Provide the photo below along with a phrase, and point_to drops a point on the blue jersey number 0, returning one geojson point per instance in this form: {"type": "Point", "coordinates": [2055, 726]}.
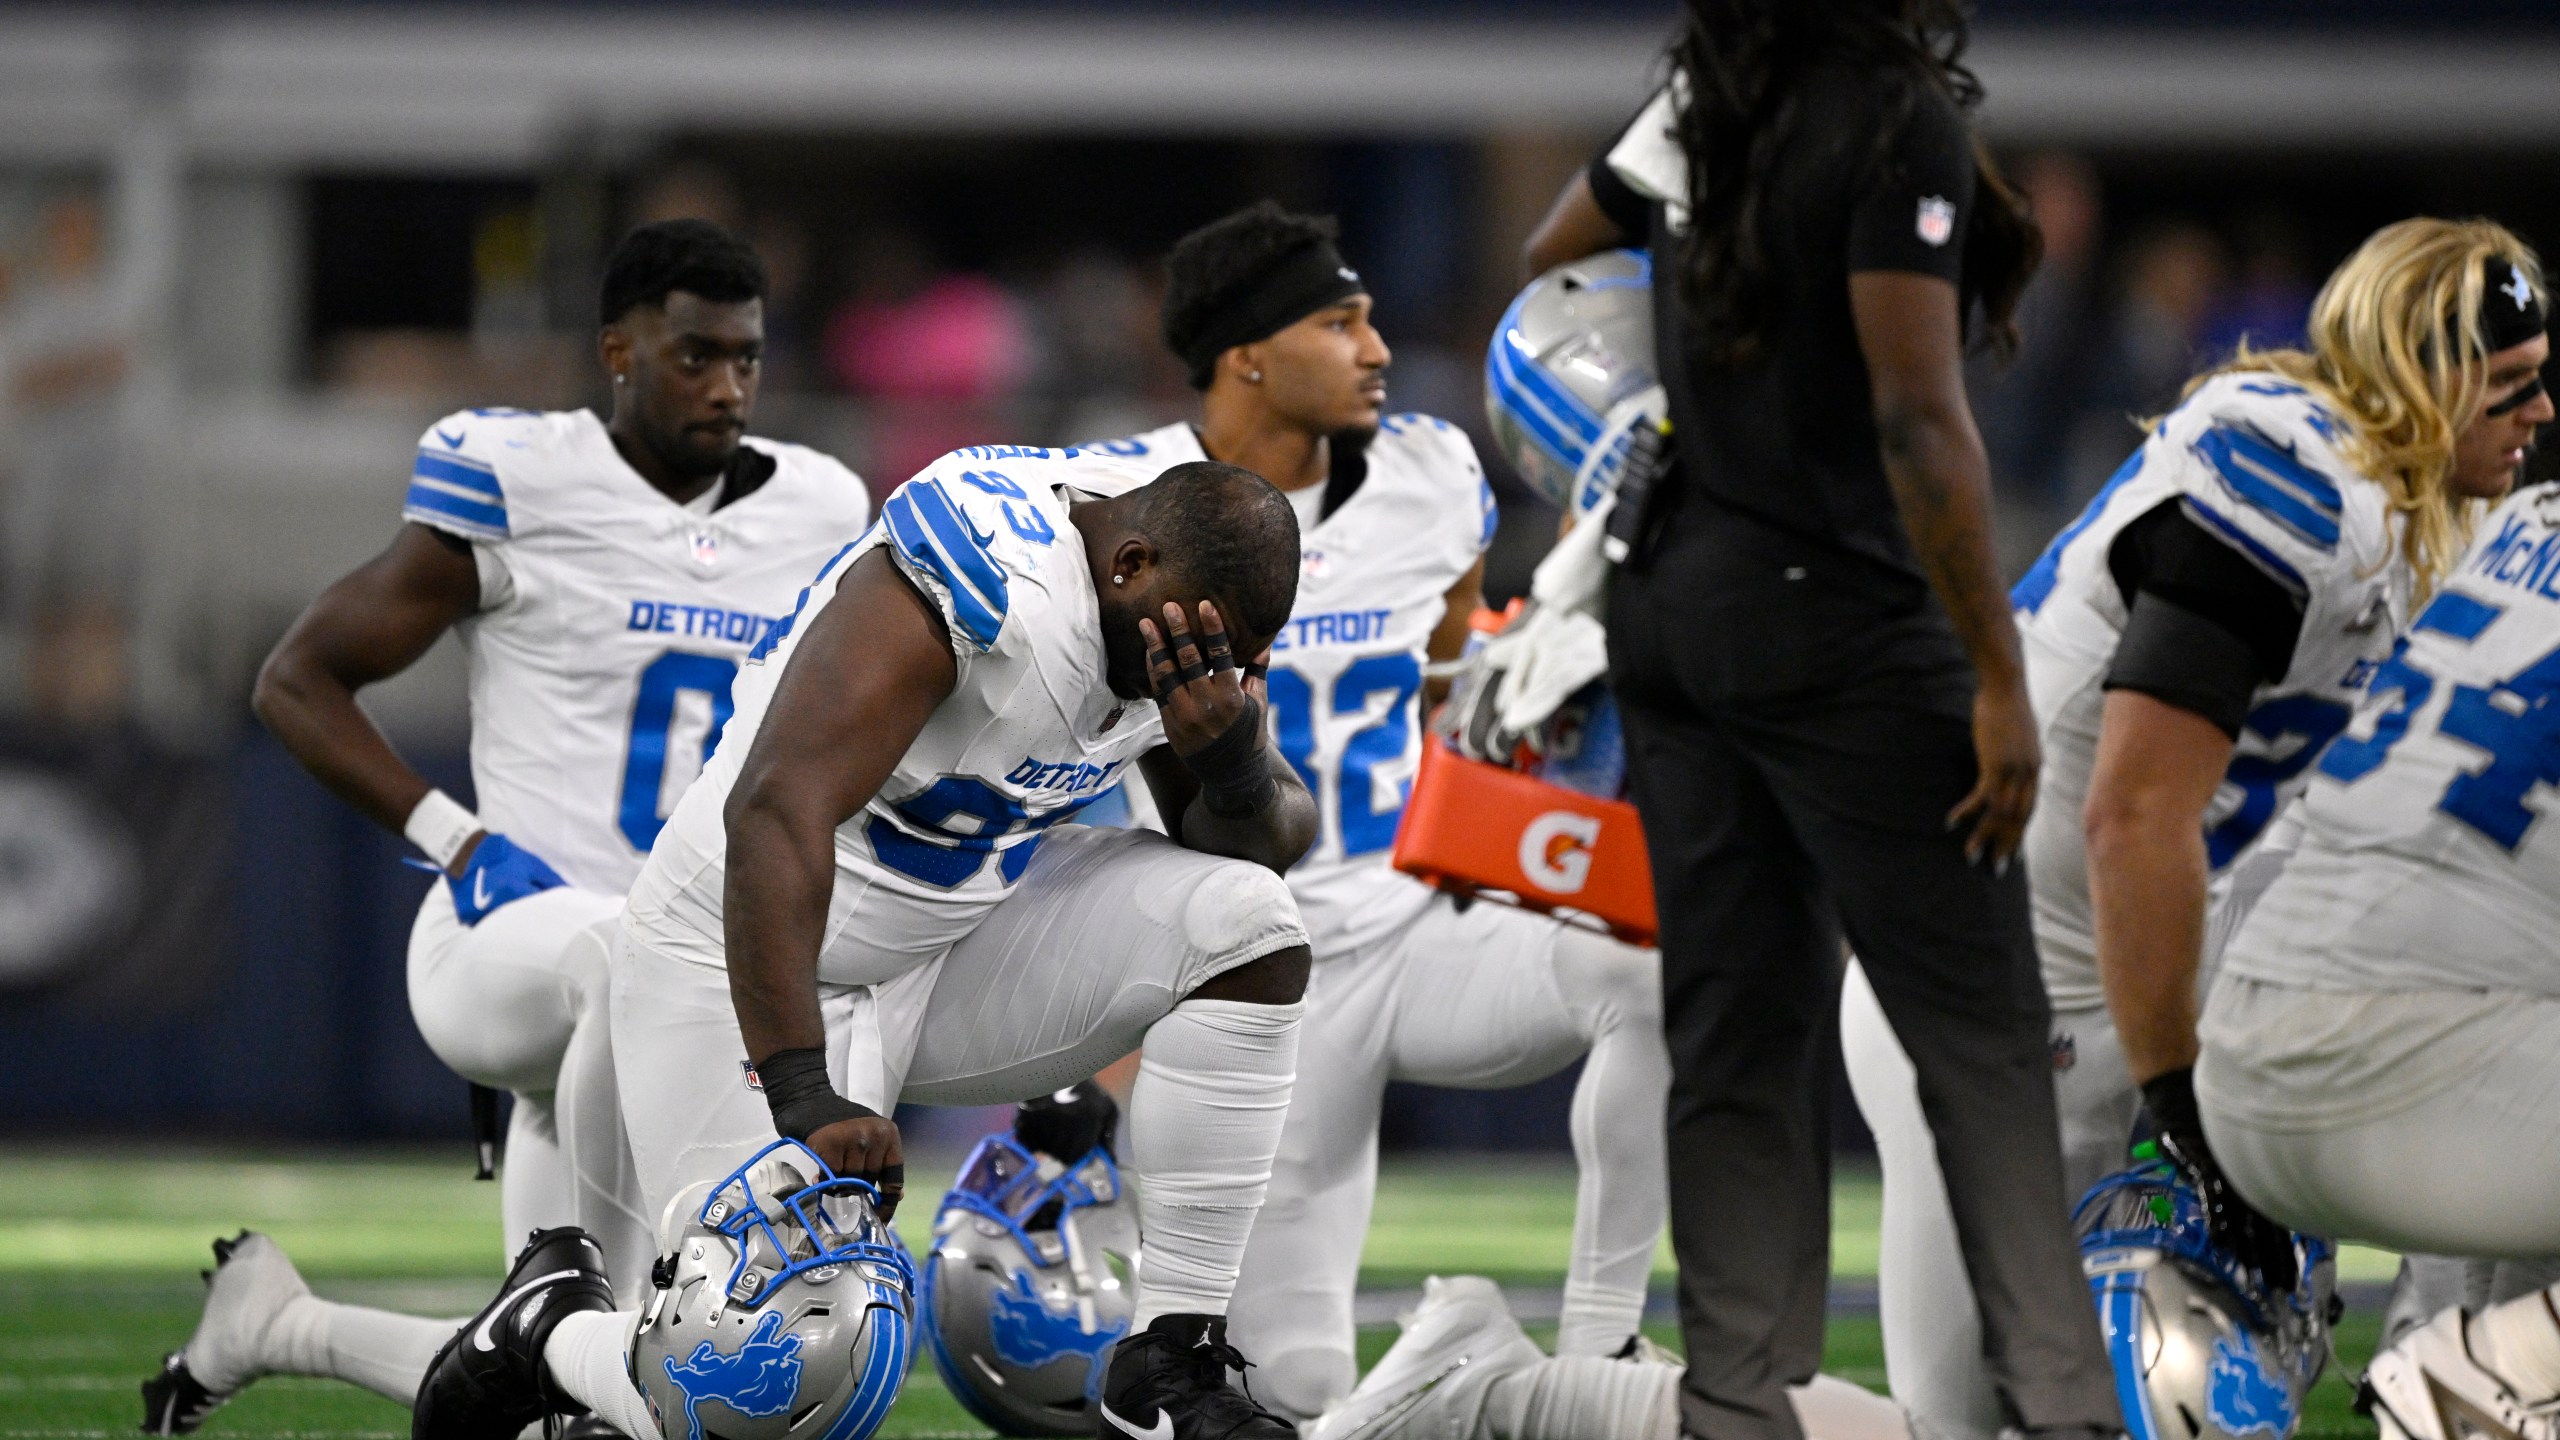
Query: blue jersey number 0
{"type": "Point", "coordinates": [653, 716]}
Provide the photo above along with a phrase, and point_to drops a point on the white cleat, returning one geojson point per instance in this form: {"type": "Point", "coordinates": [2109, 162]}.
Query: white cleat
{"type": "Point", "coordinates": [2427, 1387]}
{"type": "Point", "coordinates": [251, 1283]}
{"type": "Point", "coordinates": [1431, 1385]}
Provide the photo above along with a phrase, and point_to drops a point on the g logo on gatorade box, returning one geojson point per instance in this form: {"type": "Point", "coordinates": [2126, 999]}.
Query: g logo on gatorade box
{"type": "Point", "coordinates": [1555, 850]}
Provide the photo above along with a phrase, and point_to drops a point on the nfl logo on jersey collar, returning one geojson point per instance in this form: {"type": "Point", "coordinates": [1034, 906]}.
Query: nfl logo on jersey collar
{"type": "Point", "coordinates": [1313, 565]}
{"type": "Point", "coordinates": [706, 548]}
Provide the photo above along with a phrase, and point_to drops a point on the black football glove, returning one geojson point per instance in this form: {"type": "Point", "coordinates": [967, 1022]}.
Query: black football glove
{"type": "Point", "coordinates": [2237, 1228]}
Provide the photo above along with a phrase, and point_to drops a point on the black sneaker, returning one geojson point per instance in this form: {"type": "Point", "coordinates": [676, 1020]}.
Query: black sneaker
{"type": "Point", "coordinates": [1169, 1382]}
{"type": "Point", "coordinates": [487, 1383]}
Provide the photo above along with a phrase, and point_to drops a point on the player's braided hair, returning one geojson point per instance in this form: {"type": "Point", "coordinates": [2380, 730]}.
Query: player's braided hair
{"type": "Point", "coordinates": [1231, 535]}
{"type": "Point", "coordinates": [1740, 62]}
{"type": "Point", "coordinates": [694, 256]}
{"type": "Point", "coordinates": [1207, 268]}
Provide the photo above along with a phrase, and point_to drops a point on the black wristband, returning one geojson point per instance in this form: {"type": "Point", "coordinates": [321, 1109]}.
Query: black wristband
{"type": "Point", "coordinates": [1235, 779]}
{"type": "Point", "coordinates": [801, 1097]}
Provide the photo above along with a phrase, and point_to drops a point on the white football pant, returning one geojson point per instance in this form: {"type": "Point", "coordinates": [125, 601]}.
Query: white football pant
{"type": "Point", "coordinates": [2422, 1120]}
{"type": "Point", "coordinates": [1088, 957]}
{"type": "Point", "coordinates": [499, 1003]}
{"type": "Point", "coordinates": [1932, 1330]}
{"type": "Point", "coordinates": [1480, 998]}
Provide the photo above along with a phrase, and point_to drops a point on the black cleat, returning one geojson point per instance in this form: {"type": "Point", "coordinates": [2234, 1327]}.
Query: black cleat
{"type": "Point", "coordinates": [487, 1383]}
{"type": "Point", "coordinates": [173, 1401]}
{"type": "Point", "coordinates": [1169, 1382]}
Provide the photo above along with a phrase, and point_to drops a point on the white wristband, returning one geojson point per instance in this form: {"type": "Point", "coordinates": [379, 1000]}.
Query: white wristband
{"type": "Point", "coordinates": [440, 827]}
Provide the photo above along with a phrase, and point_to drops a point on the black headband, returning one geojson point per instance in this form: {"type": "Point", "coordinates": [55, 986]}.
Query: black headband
{"type": "Point", "coordinates": [2510, 308]}
{"type": "Point", "coordinates": [1297, 285]}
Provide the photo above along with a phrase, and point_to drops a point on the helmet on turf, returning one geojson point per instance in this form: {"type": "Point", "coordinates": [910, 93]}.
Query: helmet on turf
{"type": "Point", "coordinates": [2201, 1349]}
{"type": "Point", "coordinates": [1031, 1280]}
{"type": "Point", "coordinates": [1570, 384]}
{"type": "Point", "coordinates": [783, 1307]}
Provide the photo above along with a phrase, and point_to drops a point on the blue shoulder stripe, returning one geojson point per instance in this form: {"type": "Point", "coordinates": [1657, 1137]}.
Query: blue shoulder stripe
{"type": "Point", "coordinates": [963, 546]}
{"type": "Point", "coordinates": [2267, 560]}
{"type": "Point", "coordinates": [460, 472]}
{"type": "Point", "coordinates": [934, 537]}
{"type": "Point", "coordinates": [435, 505]}
{"type": "Point", "coordinates": [2272, 479]}
{"type": "Point", "coordinates": [2457, 615]}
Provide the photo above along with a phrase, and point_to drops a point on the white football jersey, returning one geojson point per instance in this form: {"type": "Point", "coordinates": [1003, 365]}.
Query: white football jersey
{"type": "Point", "coordinates": [2253, 458]}
{"type": "Point", "coordinates": [1029, 736]}
{"type": "Point", "coordinates": [2423, 862]}
{"type": "Point", "coordinates": [1346, 672]}
{"type": "Point", "coordinates": [611, 620]}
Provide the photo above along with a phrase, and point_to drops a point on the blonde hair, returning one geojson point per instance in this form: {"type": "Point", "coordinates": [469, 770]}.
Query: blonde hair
{"type": "Point", "coordinates": [2396, 349]}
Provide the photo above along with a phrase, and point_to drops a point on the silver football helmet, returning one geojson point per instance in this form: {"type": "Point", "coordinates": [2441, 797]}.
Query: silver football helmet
{"type": "Point", "coordinates": [1570, 384]}
{"type": "Point", "coordinates": [1031, 1280]}
{"type": "Point", "coordinates": [783, 1307]}
{"type": "Point", "coordinates": [2201, 1350]}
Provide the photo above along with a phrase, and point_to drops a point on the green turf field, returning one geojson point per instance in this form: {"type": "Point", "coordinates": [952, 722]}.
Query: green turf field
{"type": "Point", "coordinates": [98, 1263]}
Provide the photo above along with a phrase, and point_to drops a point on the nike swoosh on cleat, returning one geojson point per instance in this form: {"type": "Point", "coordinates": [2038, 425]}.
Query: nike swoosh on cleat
{"type": "Point", "coordinates": [481, 1339]}
{"type": "Point", "coordinates": [1161, 1430]}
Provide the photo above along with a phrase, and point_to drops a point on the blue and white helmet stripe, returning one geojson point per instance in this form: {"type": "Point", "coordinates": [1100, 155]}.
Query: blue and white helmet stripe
{"type": "Point", "coordinates": [1560, 423]}
{"type": "Point", "coordinates": [1570, 371]}
{"type": "Point", "coordinates": [456, 492]}
{"type": "Point", "coordinates": [935, 537]}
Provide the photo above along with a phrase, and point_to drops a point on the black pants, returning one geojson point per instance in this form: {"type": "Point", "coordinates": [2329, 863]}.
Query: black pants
{"type": "Point", "coordinates": [1794, 751]}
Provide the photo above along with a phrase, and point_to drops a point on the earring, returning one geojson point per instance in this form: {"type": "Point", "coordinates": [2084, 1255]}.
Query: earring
{"type": "Point", "coordinates": [1119, 579]}
{"type": "Point", "coordinates": [1255, 377]}
{"type": "Point", "coordinates": [621, 379]}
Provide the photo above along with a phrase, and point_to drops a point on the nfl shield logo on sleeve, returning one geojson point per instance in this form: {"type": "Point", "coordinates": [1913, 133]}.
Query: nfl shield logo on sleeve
{"type": "Point", "coordinates": [1937, 219]}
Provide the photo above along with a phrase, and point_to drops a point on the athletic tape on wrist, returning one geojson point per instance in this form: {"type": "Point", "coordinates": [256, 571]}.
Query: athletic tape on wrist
{"type": "Point", "coordinates": [1235, 780]}
{"type": "Point", "coordinates": [440, 827]}
{"type": "Point", "coordinates": [803, 1100]}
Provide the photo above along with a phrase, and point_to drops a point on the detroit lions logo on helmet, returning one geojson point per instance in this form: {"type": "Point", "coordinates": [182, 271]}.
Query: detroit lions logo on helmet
{"type": "Point", "coordinates": [1028, 1333]}
{"type": "Point", "coordinates": [762, 1378]}
{"type": "Point", "coordinates": [2241, 1397]}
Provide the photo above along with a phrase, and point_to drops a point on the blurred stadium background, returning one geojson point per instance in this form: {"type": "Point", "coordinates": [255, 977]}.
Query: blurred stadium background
{"type": "Point", "coordinates": [248, 251]}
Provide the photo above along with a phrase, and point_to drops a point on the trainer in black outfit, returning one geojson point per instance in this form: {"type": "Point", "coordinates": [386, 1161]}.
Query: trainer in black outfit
{"type": "Point", "coordinates": [1826, 714]}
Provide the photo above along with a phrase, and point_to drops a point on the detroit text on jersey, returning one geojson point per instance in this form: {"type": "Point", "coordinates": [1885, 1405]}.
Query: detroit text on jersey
{"type": "Point", "coordinates": [612, 620]}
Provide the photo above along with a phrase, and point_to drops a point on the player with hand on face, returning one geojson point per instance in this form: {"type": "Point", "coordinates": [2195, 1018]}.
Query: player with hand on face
{"type": "Point", "coordinates": [606, 577]}
{"type": "Point", "coordinates": [870, 896]}
{"type": "Point", "coordinates": [2193, 640]}
{"type": "Point", "coordinates": [1393, 516]}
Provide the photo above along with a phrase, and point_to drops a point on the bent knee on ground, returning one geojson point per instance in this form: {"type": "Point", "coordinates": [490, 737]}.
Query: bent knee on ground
{"type": "Point", "coordinates": [1241, 907]}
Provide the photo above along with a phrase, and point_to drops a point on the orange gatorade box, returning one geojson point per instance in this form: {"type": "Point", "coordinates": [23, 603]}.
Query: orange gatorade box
{"type": "Point", "coordinates": [1471, 827]}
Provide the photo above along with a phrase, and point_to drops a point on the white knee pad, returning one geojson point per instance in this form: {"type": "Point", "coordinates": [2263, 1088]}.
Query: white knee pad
{"type": "Point", "coordinates": [1240, 908]}
{"type": "Point", "coordinates": [1607, 983]}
